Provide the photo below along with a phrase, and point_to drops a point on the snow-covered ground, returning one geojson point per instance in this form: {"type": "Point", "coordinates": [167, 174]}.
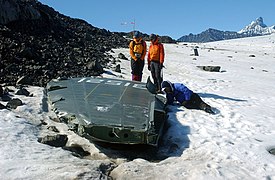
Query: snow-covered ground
{"type": "Point", "coordinates": [232, 144]}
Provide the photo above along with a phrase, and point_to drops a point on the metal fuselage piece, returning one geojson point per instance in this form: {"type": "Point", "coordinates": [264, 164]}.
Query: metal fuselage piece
{"type": "Point", "coordinates": [109, 110]}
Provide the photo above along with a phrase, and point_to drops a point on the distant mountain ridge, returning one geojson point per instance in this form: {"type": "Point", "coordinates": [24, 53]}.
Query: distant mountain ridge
{"type": "Point", "coordinates": [163, 39]}
{"type": "Point", "coordinates": [256, 28]}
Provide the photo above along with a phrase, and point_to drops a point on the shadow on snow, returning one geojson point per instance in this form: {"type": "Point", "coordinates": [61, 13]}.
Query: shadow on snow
{"type": "Point", "coordinates": [208, 95]}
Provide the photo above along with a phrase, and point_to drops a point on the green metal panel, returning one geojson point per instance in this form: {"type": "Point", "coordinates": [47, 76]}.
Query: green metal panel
{"type": "Point", "coordinates": [111, 110]}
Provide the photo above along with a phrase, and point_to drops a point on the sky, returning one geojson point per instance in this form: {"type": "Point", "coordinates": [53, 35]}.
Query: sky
{"type": "Point", "coordinates": [232, 144]}
{"type": "Point", "coordinates": [173, 18]}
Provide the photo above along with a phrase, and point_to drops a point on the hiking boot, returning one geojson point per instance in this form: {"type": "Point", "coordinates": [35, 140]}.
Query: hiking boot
{"type": "Point", "coordinates": [209, 110]}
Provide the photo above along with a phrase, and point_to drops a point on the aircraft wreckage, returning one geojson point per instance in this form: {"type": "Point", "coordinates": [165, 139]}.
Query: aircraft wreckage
{"type": "Point", "coordinates": [109, 110]}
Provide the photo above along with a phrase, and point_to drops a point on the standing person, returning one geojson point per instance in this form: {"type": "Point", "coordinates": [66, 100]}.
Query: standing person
{"type": "Point", "coordinates": [186, 97]}
{"type": "Point", "coordinates": [155, 60]}
{"type": "Point", "coordinates": [137, 51]}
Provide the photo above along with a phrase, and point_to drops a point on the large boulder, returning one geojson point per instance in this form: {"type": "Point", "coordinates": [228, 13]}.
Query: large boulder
{"type": "Point", "coordinates": [14, 103]}
{"type": "Point", "coordinates": [58, 140]}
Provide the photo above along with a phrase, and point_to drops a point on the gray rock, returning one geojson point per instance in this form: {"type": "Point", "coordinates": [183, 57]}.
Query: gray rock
{"type": "Point", "coordinates": [117, 68]}
{"type": "Point", "coordinates": [272, 151]}
{"type": "Point", "coordinates": [5, 98]}
{"type": "Point", "coordinates": [53, 128]}
{"type": "Point", "coordinates": [14, 103]}
{"type": "Point", "coordinates": [121, 56]}
{"type": "Point", "coordinates": [1, 91]}
{"type": "Point", "coordinates": [2, 106]}
{"type": "Point", "coordinates": [210, 68]}
{"type": "Point", "coordinates": [196, 52]}
{"type": "Point", "coordinates": [13, 10]}
{"type": "Point", "coordinates": [95, 65]}
{"type": "Point", "coordinates": [77, 150]}
{"type": "Point", "coordinates": [58, 140]}
{"type": "Point", "coordinates": [24, 80]}
{"type": "Point", "coordinates": [23, 91]}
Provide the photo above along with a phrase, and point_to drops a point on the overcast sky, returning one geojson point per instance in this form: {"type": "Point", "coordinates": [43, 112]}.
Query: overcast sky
{"type": "Point", "coordinates": [174, 18]}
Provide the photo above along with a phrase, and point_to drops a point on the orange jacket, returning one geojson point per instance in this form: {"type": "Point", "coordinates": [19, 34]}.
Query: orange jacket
{"type": "Point", "coordinates": [132, 44]}
{"type": "Point", "coordinates": [156, 53]}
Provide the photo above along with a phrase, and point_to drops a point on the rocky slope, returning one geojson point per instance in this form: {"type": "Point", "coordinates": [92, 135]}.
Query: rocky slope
{"type": "Point", "coordinates": [38, 43]}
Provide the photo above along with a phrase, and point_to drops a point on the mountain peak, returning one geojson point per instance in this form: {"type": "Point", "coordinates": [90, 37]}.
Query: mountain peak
{"type": "Point", "coordinates": [257, 28]}
{"type": "Point", "coordinates": [259, 21]}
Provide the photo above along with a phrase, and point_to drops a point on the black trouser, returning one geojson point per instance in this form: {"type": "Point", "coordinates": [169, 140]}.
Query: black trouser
{"type": "Point", "coordinates": [137, 66]}
{"type": "Point", "coordinates": [196, 102]}
{"type": "Point", "coordinates": [156, 74]}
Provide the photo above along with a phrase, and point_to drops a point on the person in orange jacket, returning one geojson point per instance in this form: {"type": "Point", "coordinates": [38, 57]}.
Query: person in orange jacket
{"type": "Point", "coordinates": [155, 61]}
{"type": "Point", "coordinates": [137, 51]}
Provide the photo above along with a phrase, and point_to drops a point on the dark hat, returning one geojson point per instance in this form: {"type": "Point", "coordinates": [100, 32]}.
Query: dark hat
{"type": "Point", "coordinates": [137, 34]}
{"type": "Point", "coordinates": [152, 37]}
{"type": "Point", "coordinates": [165, 84]}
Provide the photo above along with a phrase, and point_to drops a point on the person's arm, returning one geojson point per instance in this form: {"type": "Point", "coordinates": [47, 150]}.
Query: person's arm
{"type": "Point", "coordinates": [161, 54]}
{"type": "Point", "coordinates": [149, 58]}
{"type": "Point", "coordinates": [132, 54]}
{"type": "Point", "coordinates": [170, 99]}
{"type": "Point", "coordinates": [144, 51]}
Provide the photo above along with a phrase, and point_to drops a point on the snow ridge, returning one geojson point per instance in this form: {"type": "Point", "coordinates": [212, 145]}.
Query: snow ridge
{"type": "Point", "coordinates": [257, 28]}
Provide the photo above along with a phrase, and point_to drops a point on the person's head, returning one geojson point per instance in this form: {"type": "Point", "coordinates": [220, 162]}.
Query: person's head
{"type": "Point", "coordinates": [153, 37]}
{"type": "Point", "coordinates": [137, 35]}
{"type": "Point", "coordinates": [167, 87]}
